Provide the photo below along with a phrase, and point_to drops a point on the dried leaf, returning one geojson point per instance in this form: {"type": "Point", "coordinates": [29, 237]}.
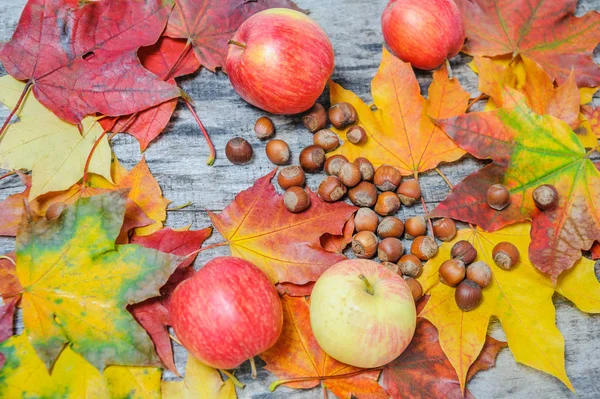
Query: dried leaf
{"type": "Point", "coordinates": [596, 250]}
{"type": "Point", "coordinates": [200, 382]}
{"type": "Point", "coordinates": [337, 243]}
{"type": "Point", "coordinates": [294, 289]}
{"type": "Point", "coordinates": [10, 289]}
{"type": "Point", "coordinates": [12, 209]}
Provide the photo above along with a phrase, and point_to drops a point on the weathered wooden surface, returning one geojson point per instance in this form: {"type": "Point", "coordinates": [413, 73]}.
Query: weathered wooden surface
{"type": "Point", "coordinates": [177, 159]}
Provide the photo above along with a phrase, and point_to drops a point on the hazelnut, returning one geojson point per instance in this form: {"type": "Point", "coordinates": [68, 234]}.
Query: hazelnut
{"type": "Point", "coordinates": [387, 203]}
{"type": "Point", "coordinates": [415, 287]}
{"type": "Point", "coordinates": [545, 197]}
{"type": "Point", "coordinates": [506, 255]}
{"type": "Point", "coordinates": [264, 127]}
{"type": "Point", "coordinates": [467, 295]}
{"type": "Point", "coordinates": [290, 176]}
{"type": "Point", "coordinates": [331, 189]}
{"type": "Point", "coordinates": [387, 178]}
{"type": "Point", "coordinates": [390, 249]}
{"type": "Point", "coordinates": [356, 135]}
{"type": "Point", "coordinates": [334, 163]}
{"type": "Point", "coordinates": [55, 210]}
{"type": "Point", "coordinates": [424, 247]}
{"type": "Point", "coordinates": [463, 250]}
{"type": "Point", "coordinates": [364, 244]}
{"type": "Point", "coordinates": [312, 158]}
{"type": "Point", "coordinates": [409, 192]}
{"type": "Point", "coordinates": [278, 152]}
{"type": "Point", "coordinates": [365, 220]}
{"type": "Point", "coordinates": [349, 174]}
{"type": "Point", "coordinates": [480, 273]}
{"type": "Point", "coordinates": [365, 194]}
{"type": "Point", "coordinates": [315, 118]}
{"type": "Point", "coordinates": [390, 226]}
{"type": "Point", "coordinates": [444, 229]}
{"type": "Point", "coordinates": [415, 226]}
{"type": "Point", "coordinates": [410, 265]}
{"type": "Point", "coordinates": [295, 199]}
{"type": "Point", "coordinates": [238, 151]}
{"type": "Point", "coordinates": [326, 139]}
{"type": "Point", "coordinates": [367, 171]}
{"type": "Point", "coordinates": [498, 197]}
{"type": "Point", "coordinates": [394, 268]}
{"type": "Point", "coordinates": [342, 115]}
{"type": "Point", "coordinates": [452, 272]}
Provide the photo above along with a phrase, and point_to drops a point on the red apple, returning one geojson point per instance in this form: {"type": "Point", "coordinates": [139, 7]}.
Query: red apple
{"type": "Point", "coordinates": [279, 60]}
{"type": "Point", "coordinates": [226, 313]}
{"type": "Point", "coordinates": [423, 32]}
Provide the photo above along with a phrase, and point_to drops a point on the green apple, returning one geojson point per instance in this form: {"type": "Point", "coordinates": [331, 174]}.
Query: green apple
{"type": "Point", "coordinates": [362, 314]}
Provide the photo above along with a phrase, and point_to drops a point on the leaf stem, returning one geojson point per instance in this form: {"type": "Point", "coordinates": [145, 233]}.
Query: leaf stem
{"type": "Point", "coordinates": [219, 244]}
{"type": "Point", "coordinates": [324, 390]}
{"type": "Point", "coordinates": [182, 55]}
{"type": "Point", "coordinates": [277, 383]}
{"type": "Point", "coordinates": [233, 379]}
{"type": "Point", "coordinates": [443, 176]}
{"type": "Point", "coordinates": [16, 107]}
{"type": "Point", "coordinates": [424, 205]}
{"type": "Point", "coordinates": [8, 258]}
{"type": "Point", "coordinates": [4, 176]}
{"type": "Point", "coordinates": [367, 283]}
{"type": "Point", "coordinates": [179, 207]}
{"type": "Point", "coordinates": [590, 152]}
{"type": "Point", "coordinates": [253, 368]}
{"type": "Point", "coordinates": [480, 97]}
{"type": "Point", "coordinates": [212, 154]}
{"type": "Point", "coordinates": [175, 339]}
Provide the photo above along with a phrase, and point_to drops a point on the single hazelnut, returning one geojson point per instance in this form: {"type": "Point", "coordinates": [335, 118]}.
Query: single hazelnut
{"type": "Point", "coordinates": [326, 139]}
{"type": "Point", "coordinates": [342, 115]}
{"type": "Point", "coordinates": [331, 189]}
{"type": "Point", "coordinates": [364, 244]}
{"type": "Point", "coordinates": [334, 163]}
{"type": "Point", "coordinates": [444, 229]}
{"type": "Point", "coordinates": [409, 192]}
{"type": "Point", "coordinates": [238, 151]}
{"type": "Point", "coordinates": [498, 197]}
{"type": "Point", "coordinates": [295, 199]}
{"type": "Point", "coordinates": [315, 118]}
{"type": "Point", "coordinates": [390, 249]}
{"type": "Point", "coordinates": [452, 272]}
{"type": "Point", "coordinates": [410, 265]}
{"type": "Point", "coordinates": [387, 178]}
{"type": "Point", "coordinates": [415, 226]}
{"type": "Point", "coordinates": [349, 174]}
{"type": "Point", "coordinates": [468, 295]}
{"type": "Point", "coordinates": [480, 273]}
{"type": "Point", "coordinates": [390, 226]}
{"type": "Point", "coordinates": [356, 135]}
{"type": "Point", "coordinates": [545, 197]}
{"type": "Point", "coordinates": [55, 210]}
{"type": "Point", "coordinates": [278, 152]}
{"type": "Point", "coordinates": [394, 268]}
{"type": "Point", "coordinates": [387, 203]}
{"type": "Point", "coordinates": [424, 247]}
{"type": "Point", "coordinates": [415, 287]}
{"type": "Point", "coordinates": [312, 158]}
{"type": "Point", "coordinates": [367, 171]}
{"type": "Point", "coordinates": [365, 194]}
{"type": "Point", "coordinates": [290, 176]}
{"type": "Point", "coordinates": [464, 251]}
{"type": "Point", "coordinates": [264, 127]}
{"type": "Point", "coordinates": [365, 220]}
{"type": "Point", "coordinates": [506, 255]}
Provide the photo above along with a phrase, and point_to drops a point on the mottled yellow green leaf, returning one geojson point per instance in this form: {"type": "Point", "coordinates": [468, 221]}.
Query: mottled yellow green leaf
{"type": "Point", "coordinates": [133, 382]}
{"type": "Point", "coordinates": [200, 382]}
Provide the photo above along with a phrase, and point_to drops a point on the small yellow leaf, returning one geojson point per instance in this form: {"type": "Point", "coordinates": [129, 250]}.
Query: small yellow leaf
{"type": "Point", "coordinates": [133, 382]}
{"type": "Point", "coordinates": [200, 382]}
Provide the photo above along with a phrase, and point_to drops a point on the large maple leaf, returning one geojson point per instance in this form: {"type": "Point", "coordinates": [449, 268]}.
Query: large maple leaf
{"type": "Point", "coordinates": [521, 299]}
{"type": "Point", "coordinates": [546, 31]}
{"type": "Point", "coordinates": [77, 282]}
{"type": "Point", "coordinates": [200, 382]}
{"type": "Point", "coordinates": [423, 371]}
{"type": "Point", "coordinates": [528, 150]}
{"type": "Point", "coordinates": [282, 244]}
{"type": "Point", "coordinates": [400, 131]}
{"type": "Point", "coordinates": [209, 24]}
{"type": "Point", "coordinates": [9, 296]}
{"type": "Point", "coordinates": [80, 57]}
{"type": "Point", "coordinates": [298, 355]}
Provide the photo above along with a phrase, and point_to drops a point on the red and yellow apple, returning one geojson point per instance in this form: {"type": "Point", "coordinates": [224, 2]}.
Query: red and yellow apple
{"type": "Point", "coordinates": [361, 313]}
{"type": "Point", "coordinates": [423, 32]}
{"type": "Point", "coordinates": [226, 313]}
{"type": "Point", "coordinates": [279, 60]}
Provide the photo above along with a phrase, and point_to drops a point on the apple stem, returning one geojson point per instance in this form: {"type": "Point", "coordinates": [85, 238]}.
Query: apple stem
{"type": "Point", "coordinates": [236, 43]}
{"type": "Point", "coordinates": [16, 107]}
{"type": "Point", "coordinates": [367, 283]}
{"type": "Point", "coordinates": [443, 176]}
{"type": "Point", "coordinates": [277, 383]}
{"type": "Point", "coordinates": [253, 368]}
{"type": "Point", "coordinates": [233, 379]}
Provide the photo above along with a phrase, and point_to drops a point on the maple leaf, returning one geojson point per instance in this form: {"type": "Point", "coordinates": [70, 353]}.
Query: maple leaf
{"type": "Point", "coordinates": [133, 382]}
{"type": "Point", "coordinates": [80, 58]}
{"type": "Point", "coordinates": [528, 150]}
{"type": "Point", "coordinates": [153, 313]}
{"type": "Point", "coordinates": [200, 382]}
{"type": "Point", "coordinates": [209, 24]}
{"type": "Point", "coordinates": [521, 299]}
{"type": "Point", "coordinates": [423, 371]}
{"type": "Point", "coordinates": [295, 289]}
{"type": "Point", "coordinates": [593, 116]}
{"type": "Point", "coordinates": [400, 132]}
{"type": "Point", "coordinates": [298, 355]}
{"type": "Point", "coordinates": [282, 244]}
{"type": "Point", "coordinates": [546, 31]}
{"type": "Point", "coordinates": [337, 243]}
{"type": "Point", "coordinates": [596, 250]}
{"type": "Point", "coordinates": [9, 289]}
{"type": "Point", "coordinates": [77, 282]}
{"type": "Point", "coordinates": [53, 149]}
{"type": "Point", "coordinates": [13, 208]}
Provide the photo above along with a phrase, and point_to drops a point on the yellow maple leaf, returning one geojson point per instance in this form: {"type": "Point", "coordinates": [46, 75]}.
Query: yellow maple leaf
{"type": "Point", "coordinates": [200, 382]}
{"type": "Point", "coordinates": [133, 382]}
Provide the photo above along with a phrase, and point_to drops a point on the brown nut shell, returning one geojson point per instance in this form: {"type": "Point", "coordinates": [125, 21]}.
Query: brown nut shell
{"type": "Point", "coordinates": [290, 176]}
{"type": "Point", "coordinates": [415, 226]}
{"type": "Point", "coordinates": [498, 197]}
{"type": "Point", "coordinates": [480, 273]}
{"type": "Point", "coordinates": [415, 287]}
{"type": "Point", "coordinates": [390, 250]}
{"type": "Point", "coordinates": [364, 194]}
{"type": "Point", "coordinates": [464, 251]}
{"type": "Point", "coordinates": [349, 174]}
{"type": "Point", "coordinates": [326, 139]}
{"type": "Point", "coordinates": [424, 247]}
{"type": "Point", "coordinates": [444, 229]}
{"type": "Point", "coordinates": [367, 171]}
{"type": "Point", "coordinates": [331, 189]}
{"type": "Point", "coordinates": [410, 265]}
{"type": "Point", "coordinates": [452, 272]}
{"type": "Point", "coordinates": [312, 158]}
{"type": "Point", "coordinates": [278, 152]}
{"type": "Point", "coordinates": [296, 199]}
{"type": "Point", "coordinates": [387, 203]}
{"type": "Point", "coordinates": [334, 163]}
{"type": "Point", "coordinates": [342, 115]}
{"type": "Point", "coordinates": [468, 295]}
{"type": "Point", "coordinates": [315, 118]}
{"type": "Point", "coordinates": [387, 178]}
{"type": "Point", "coordinates": [545, 197]}
{"type": "Point", "coordinates": [366, 220]}
{"type": "Point", "coordinates": [264, 127]}
{"type": "Point", "coordinates": [356, 135]}
{"type": "Point", "coordinates": [506, 255]}
{"type": "Point", "coordinates": [409, 192]}
{"type": "Point", "coordinates": [364, 244]}
{"type": "Point", "coordinates": [238, 151]}
{"type": "Point", "coordinates": [390, 226]}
